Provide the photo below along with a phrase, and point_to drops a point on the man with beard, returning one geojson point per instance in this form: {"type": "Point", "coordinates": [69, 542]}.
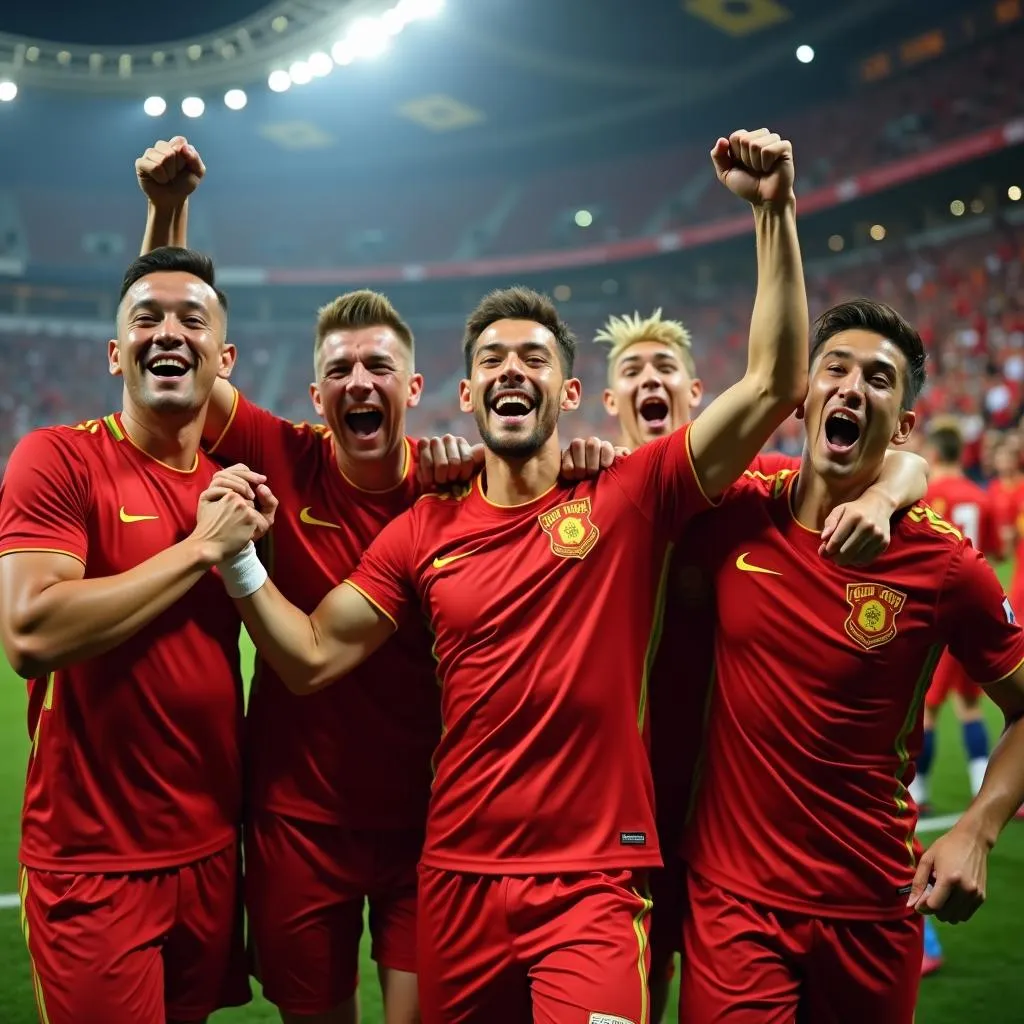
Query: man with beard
{"type": "Point", "coordinates": [546, 603]}
{"type": "Point", "coordinates": [130, 881]}
{"type": "Point", "coordinates": [338, 785]}
{"type": "Point", "coordinates": [805, 874]}
{"type": "Point", "coordinates": [653, 389]}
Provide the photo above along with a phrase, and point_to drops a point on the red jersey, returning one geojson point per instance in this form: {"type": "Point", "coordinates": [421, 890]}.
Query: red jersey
{"type": "Point", "coordinates": [546, 617]}
{"type": "Point", "coordinates": [136, 753]}
{"type": "Point", "coordinates": [969, 508]}
{"type": "Point", "coordinates": [354, 755]}
{"type": "Point", "coordinates": [682, 675]}
{"type": "Point", "coordinates": [816, 718]}
{"type": "Point", "coordinates": [1007, 499]}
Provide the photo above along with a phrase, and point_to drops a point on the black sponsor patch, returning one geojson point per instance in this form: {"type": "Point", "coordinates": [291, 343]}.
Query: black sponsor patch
{"type": "Point", "coordinates": [904, 890]}
{"type": "Point", "coordinates": [633, 838]}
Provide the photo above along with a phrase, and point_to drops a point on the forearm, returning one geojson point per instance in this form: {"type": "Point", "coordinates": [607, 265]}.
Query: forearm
{"type": "Point", "coordinates": [72, 620]}
{"type": "Point", "coordinates": [903, 480]}
{"type": "Point", "coordinates": [1002, 792]}
{"type": "Point", "coordinates": [287, 639]}
{"type": "Point", "coordinates": [165, 226]}
{"type": "Point", "coordinates": [780, 323]}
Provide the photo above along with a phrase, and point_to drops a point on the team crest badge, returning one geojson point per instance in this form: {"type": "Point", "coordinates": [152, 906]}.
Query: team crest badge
{"type": "Point", "coordinates": [572, 533]}
{"type": "Point", "coordinates": [873, 611]}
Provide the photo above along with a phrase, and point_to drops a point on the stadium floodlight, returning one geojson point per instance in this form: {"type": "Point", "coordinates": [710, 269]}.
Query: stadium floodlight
{"type": "Point", "coordinates": [836, 243]}
{"type": "Point", "coordinates": [1013, 193]}
{"type": "Point", "coordinates": [299, 73]}
{"type": "Point", "coordinates": [279, 81]}
{"type": "Point", "coordinates": [235, 99]}
{"type": "Point", "coordinates": [393, 21]}
{"type": "Point", "coordinates": [342, 53]}
{"type": "Point", "coordinates": [154, 105]}
{"type": "Point", "coordinates": [878, 232]}
{"type": "Point", "coordinates": [584, 218]}
{"type": "Point", "coordinates": [8, 90]}
{"type": "Point", "coordinates": [957, 208]}
{"type": "Point", "coordinates": [320, 64]}
{"type": "Point", "coordinates": [367, 38]}
{"type": "Point", "coordinates": [805, 54]}
{"type": "Point", "coordinates": [192, 106]}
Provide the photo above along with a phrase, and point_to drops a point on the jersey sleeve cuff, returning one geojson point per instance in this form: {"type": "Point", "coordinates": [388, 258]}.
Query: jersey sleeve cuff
{"type": "Point", "coordinates": [376, 604]}
{"type": "Point", "coordinates": [42, 550]}
{"type": "Point", "coordinates": [1004, 676]}
{"type": "Point", "coordinates": [227, 426]}
{"type": "Point", "coordinates": [708, 502]}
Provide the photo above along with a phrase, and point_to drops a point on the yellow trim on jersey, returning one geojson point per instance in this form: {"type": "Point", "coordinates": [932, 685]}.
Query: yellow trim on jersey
{"type": "Point", "coordinates": [522, 504]}
{"type": "Point", "coordinates": [790, 499]}
{"type": "Point", "coordinates": [227, 426]}
{"type": "Point", "coordinates": [47, 706]}
{"type": "Point", "coordinates": [112, 425]}
{"type": "Point", "coordinates": [1003, 678]}
{"type": "Point", "coordinates": [711, 502]}
{"type": "Point", "coordinates": [37, 985]}
{"type": "Point", "coordinates": [128, 437]}
{"type": "Point", "coordinates": [360, 590]}
{"type": "Point", "coordinates": [913, 715]}
{"type": "Point", "coordinates": [42, 551]}
{"type": "Point", "coordinates": [406, 462]}
{"type": "Point", "coordinates": [654, 640]}
{"type": "Point", "coordinates": [641, 965]}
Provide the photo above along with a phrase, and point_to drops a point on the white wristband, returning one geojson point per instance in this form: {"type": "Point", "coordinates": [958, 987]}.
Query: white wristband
{"type": "Point", "coordinates": [243, 574]}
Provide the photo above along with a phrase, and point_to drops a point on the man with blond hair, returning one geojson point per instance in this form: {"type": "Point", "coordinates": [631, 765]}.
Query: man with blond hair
{"type": "Point", "coordinates": [338, 784]}
{"type": "Point", "coordinates": [653, 389]}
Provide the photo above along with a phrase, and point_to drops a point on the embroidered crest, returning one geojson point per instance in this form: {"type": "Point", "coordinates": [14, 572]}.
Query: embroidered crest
{"type": "Point", "coordinates": [572, 533]}
{"type": "Point", "coordinates": [873, 611]}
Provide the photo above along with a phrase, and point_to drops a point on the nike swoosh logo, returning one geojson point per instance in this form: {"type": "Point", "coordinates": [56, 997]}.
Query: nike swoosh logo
{"type": "Point", "coordinates": [309, 520]}
{"type": "Point", "coordinates": [440, 563]}
{"type": "Point", "coordinates": [744, 566]}
{"type": "Point", "coordinates": [126, 518]}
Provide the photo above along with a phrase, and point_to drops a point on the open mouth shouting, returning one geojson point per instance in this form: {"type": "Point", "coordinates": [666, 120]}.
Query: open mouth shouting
{"type": "Point", "coordinates": [365, 421]}
{"type": "Point", "coordinates": [653, 412]}
{"type": "Point", "coordinates": [511, 408]}
{"type": "Point", "coordinates": [843, 430]}
{"type": "Point", "coordinates": [168, 365]}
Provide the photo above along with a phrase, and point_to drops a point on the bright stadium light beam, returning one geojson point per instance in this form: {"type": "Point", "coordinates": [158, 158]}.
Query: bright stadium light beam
{"type": "Point", "coordinates": [235, 99]}
{"type": "Point", "coordinates": [8, 90]}
{"type": "Point", "coordinates": [155, 106]}
{"type": "Point", "coordinates": [414, 10]}
{"type": "Point", "coordinates": [192, 106]}
{"type": "Point", "coordinates": [320, 64]}
{"type": "Point", "coordinates": [299, 73]}
{"type": "Point", "coordinates": [342, 53]}
{"type": "Point", "coordinates": [393, 21]}
{"type": "Point", "coordinates": [805, 54]}
{"type": "Point", "coordinates": [279, 81]}
{"type": "Point", "coordinates": [367, 38]}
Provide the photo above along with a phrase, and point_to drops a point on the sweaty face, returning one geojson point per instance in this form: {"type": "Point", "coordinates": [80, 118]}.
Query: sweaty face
{"type": "Point", "coordinates": [853, 409]}
{"type": "Point", "coordinates": [170, 346]}
{"type": "Point", "coordinates": [364, 385]}
{"type": "Point", "coordinates": [651, 392]}
{"type": "Point", "coordinates": [517, 388]}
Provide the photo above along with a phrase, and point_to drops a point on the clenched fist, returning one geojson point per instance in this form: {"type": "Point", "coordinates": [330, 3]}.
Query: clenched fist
{"type": "Point", "coordinates": [756, 166]}
{"type": "Point", "coordinates": [169, 172]}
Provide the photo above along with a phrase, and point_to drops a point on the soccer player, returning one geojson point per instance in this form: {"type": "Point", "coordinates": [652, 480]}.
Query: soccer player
{"type": "Point", "coordinates": [653, 389]}
{"type": "Point", "coordinates": [545, 601]}
{"type": "Point", "coordinates": [130, 880]}
{"type": "Point", "coordinates": [1006, 492]}
{"type": "Point", "coordinates": [969, 508]}
{"type": "Point", "coordinates": [338, 785]}
{"type": "Point", "coordinates": [805, 877]}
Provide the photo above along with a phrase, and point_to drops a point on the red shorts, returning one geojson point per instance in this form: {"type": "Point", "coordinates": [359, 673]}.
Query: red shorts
{"type": "Point", "coordinates": [951, 678]}
{"type": "Point", "coordinates": [747, 964]}
{"type": "Point", "coordinates": [566, 949]}
{"type": "Point", "coordinates": [138, 948]}
{"type": "Point", "coordinates": [306, 884]}
{"type": "Point", "coordinates": [668, 892]}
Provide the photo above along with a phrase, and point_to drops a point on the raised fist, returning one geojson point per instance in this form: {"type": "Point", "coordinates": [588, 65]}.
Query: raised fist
{"type": "Point", "coordinates": [169, 172]}
{"type": "Point", "coordinates": [756, 166]}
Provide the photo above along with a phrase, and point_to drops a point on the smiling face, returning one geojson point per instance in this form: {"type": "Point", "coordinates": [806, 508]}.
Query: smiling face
{"type": "Point", "coordinates": [364, 385]}
{"type": "Point", "coordinates": [854, 407]}
{"type": "Point", "coordinates": [651, 392]}
{"type": "Point", "coordinates": [517, 387]}
{"type": "Point", "coordinates": [170, 346]}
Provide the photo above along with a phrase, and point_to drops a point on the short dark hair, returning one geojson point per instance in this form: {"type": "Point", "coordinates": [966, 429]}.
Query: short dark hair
{"type": "Point", "coordinates": [948, 442]}
{"type": "Point", "coordinates": [877, 317]}
{"type": "Point", "coordinates": [519, 303]}
{"type": "Point", "coordinates": [168, 259]}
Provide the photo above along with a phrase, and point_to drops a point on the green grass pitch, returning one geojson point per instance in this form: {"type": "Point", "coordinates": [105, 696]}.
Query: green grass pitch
{"type": "Point", "coordinates": [984, 958]}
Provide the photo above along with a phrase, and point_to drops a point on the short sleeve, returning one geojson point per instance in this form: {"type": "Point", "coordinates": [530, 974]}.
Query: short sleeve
{"type": "Point", "coordinates": [660, 480]}
{"type": "Point", "coordinates": [385, 575]}
{"type": "Point", "coordinates": [244, 437]}
{"type": "Point", "coordinates": [44, 498]}
{"type": "Point", "coordinates": [976, 620]}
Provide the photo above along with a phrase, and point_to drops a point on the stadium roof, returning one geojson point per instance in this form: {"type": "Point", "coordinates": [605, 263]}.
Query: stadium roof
{"type": "Point", "coordinates": [488, 83]}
